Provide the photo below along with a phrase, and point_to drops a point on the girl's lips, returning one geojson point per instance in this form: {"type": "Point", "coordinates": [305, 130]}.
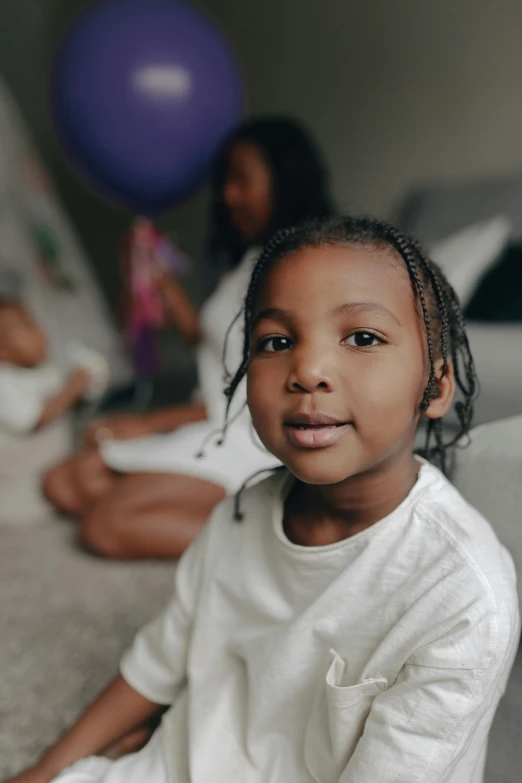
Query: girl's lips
{"type": "Point", "coordinates": [315, 436]}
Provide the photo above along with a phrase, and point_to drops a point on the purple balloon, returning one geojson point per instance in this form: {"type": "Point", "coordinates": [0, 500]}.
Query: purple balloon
{"type": "Point", "coordinates": [143, 94]}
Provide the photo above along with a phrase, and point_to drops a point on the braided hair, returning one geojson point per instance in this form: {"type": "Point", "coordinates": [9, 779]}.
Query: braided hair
{"type": "Point", "coordinates": [440, 309]}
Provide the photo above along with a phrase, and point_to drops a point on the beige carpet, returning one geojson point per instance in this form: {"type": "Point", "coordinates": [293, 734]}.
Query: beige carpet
{"type": "Point", "coordinates": [65, 619]}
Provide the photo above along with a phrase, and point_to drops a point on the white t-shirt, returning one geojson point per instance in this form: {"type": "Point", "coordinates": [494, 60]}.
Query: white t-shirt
{"type": "Point", "coordinates": [380, 658]}
{"type": "Point", "coordinates": [23, 394]}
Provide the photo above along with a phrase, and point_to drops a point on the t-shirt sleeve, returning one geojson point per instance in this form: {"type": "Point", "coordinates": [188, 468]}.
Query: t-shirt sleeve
{"type": "Point", "coordinates": [156, 663]}
{"type": "Point", "coordinates": [419, 729]}
{"type": "Point", "coordinates": [20, 408]}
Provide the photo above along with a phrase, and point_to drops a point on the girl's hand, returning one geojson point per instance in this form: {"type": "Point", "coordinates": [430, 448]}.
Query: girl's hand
{"type": "Point", "coordinates": [120, 426]}
{"type": "Point", "coordinates": [118, 712]}
{"type": "Point", "coordinates": [163, 280]}
{"type": "Point", "coordinates": [178, 308]}
{"type": "Point", "coordinates": [79, 380]}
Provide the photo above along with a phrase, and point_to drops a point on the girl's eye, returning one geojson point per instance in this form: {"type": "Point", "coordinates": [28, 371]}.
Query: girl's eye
{"type": "Point", "coordinates": [275, 344]}
{"type": "Point", "coordinates": [363, 339]}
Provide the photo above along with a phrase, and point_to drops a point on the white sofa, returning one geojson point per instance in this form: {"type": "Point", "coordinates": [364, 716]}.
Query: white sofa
{"type": "Point", "coordinates": [489, 474]}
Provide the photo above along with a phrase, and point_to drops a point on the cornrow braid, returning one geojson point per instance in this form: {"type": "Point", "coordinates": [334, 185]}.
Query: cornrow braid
{"type": "Point", "coordinates": [441, 290]}
{"type": "Point", "coordinates": [440, 308]}
{"type": "Point", "coordinates": [410, 255]}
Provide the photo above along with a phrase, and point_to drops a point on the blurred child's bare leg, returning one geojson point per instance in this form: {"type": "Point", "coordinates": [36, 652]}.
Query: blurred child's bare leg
{"type": "Point", "coordinates": [74, 485]}
{"type": "Point", "coordinates": [149, 515]}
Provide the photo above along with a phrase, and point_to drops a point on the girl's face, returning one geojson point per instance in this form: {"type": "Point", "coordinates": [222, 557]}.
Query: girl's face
{"type": "Point", "coordinates": [338, 363]}
{"type": "Point", "coordinates": [247, 191]}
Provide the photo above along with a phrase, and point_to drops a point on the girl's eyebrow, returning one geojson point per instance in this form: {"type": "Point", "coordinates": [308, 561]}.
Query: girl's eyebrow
{"type": "Point", "coordinates": [354, 308]}
{"type": "Point", "coordinates": [274, 314]}
{"type": "Point", "coordinates": [350, 308]}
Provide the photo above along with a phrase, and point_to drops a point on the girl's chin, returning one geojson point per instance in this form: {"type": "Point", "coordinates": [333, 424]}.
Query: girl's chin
{"type": "Point", "coordinates": [318, 474]}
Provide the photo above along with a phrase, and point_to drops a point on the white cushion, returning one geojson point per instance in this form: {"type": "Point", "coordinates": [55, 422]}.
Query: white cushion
{"type": "Point", "coordinates": [488, 473]}
{"type": "Point", "coordinates": [466, 256]}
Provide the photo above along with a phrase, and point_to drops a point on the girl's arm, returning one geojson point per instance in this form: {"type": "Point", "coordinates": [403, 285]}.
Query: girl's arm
{"type": "Point", "coordinates": [71, 392]}
{"type": "Point", "coordinates": [180, 310]}
{"type": "Point", "coordinates": [117, 711]}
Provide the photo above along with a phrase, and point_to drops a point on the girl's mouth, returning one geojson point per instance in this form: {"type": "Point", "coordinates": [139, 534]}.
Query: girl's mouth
{"type": "Point", "coordinates": [314, 431]}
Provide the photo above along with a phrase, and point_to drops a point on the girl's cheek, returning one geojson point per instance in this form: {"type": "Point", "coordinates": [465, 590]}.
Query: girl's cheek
{"type": "Point", "coordinates": [257, 387]}
{"type": "Point", "coordinates": [259, 373]}
{"type": "Point", "coordinates": [386, 388]}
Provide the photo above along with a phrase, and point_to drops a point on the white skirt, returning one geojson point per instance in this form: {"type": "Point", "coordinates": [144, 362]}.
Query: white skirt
{"type": "Point", "coordinates": [194, 450]}
{"type": "Point", "coordinates": [146, 766]}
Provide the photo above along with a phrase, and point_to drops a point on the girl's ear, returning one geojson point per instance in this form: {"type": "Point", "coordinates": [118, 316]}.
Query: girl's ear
{"type": "Point", "coordinates": [441, 404]}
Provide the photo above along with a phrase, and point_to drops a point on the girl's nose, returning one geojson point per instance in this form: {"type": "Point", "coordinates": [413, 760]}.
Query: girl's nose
{"type": "Point", "coordinates": [312, 369]}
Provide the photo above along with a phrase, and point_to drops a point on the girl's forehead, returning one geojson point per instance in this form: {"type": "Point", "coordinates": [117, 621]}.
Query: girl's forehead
{"type": "Point", "coordinates": [337, 270]}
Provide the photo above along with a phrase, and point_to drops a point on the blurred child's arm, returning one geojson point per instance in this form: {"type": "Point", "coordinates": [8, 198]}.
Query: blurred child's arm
{"type": "Point", "coordinates": [180, 310]}
{"type": "Point", "coordinates": [117, 711]}
{"type": "Point", "coordinates": [71, 392]}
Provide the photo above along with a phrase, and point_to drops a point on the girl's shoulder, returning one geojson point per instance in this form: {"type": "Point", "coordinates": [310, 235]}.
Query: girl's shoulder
{"type": "Point", "coordinates": [449, 524]}
{"type": "Point", "coordinates": [444, 508]}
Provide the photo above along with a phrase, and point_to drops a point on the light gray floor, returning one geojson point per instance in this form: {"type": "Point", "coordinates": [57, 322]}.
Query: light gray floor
{"type": "Point", "coordinates": [66, 617]}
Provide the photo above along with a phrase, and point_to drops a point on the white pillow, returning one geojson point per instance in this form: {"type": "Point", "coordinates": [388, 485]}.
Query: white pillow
{"type": "Point", "coordinates": [466, 256]}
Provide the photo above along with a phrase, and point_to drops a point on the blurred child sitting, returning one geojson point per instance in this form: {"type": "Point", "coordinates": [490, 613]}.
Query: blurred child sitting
{"type": "Point", "coordinates": [34, 398]}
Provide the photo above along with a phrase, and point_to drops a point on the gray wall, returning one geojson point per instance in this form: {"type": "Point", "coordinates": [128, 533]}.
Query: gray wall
{"type": "Point", "coordinates": [397, 91]}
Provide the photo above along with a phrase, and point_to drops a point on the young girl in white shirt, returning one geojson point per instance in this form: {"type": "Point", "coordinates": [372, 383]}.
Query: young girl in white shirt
{"type": "Point", "coordinates": [351, 619]}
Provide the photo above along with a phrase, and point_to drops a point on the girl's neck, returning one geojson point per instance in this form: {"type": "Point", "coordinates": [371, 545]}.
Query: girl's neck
{"type": "Point", "coordinates": [320, 515]}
